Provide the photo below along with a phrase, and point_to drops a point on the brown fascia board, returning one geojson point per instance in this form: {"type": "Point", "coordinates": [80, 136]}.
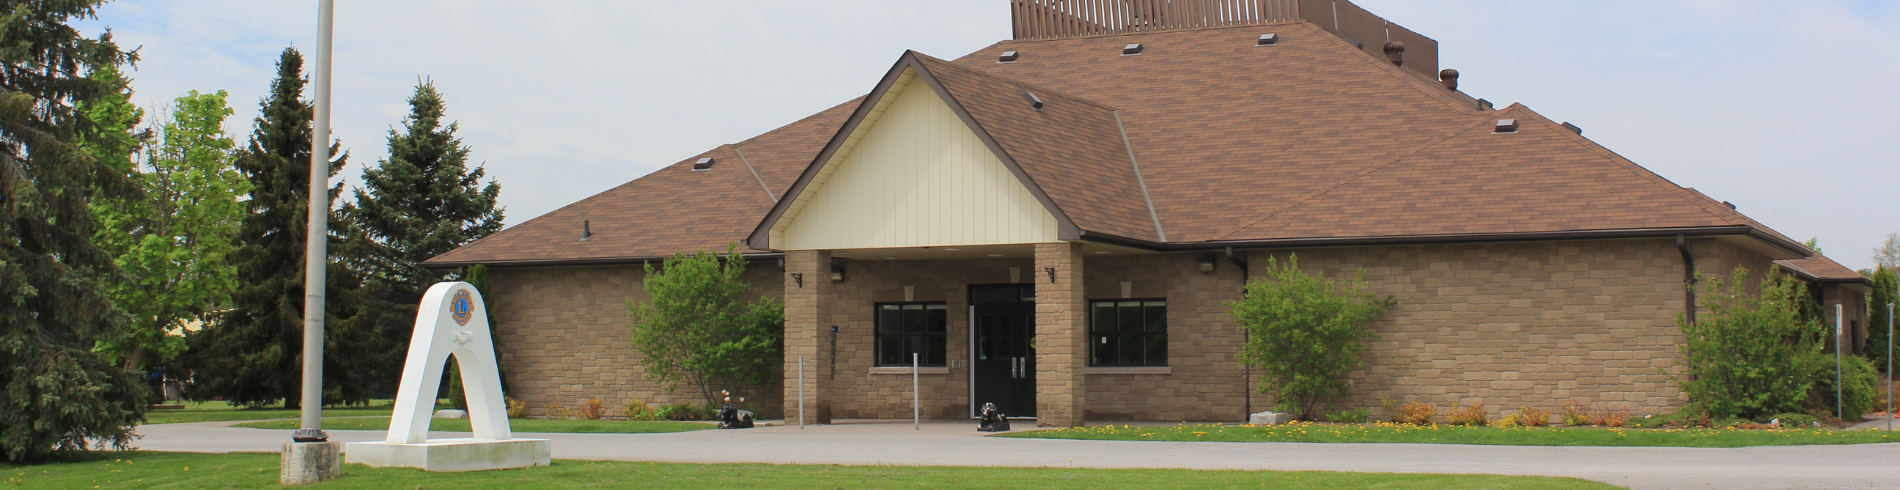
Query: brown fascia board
{"type": "Point", "coordinates": [754, 257]}
{"type": "Point", "coordinates": [761, 235]}
{"type": "Point", "coordinates": [1750, 231]}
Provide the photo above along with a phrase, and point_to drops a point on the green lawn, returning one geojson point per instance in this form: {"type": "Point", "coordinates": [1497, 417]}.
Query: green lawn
{"type": "Point", "coordinates": [517, 425]}
{"type": "Point", "coordinates": [215, 411]}
{"type": "Point", "coordinates": [1446, 434]}
{"type": "Point", "coordinates": [250, 470]}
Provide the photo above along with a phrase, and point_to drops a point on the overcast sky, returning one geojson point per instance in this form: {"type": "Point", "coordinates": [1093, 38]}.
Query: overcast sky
{"type": "Point", "coordinates": [1787, 109]}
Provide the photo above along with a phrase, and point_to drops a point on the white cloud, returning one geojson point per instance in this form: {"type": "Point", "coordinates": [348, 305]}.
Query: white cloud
{"type": "Point", "coordinates": [1781, 107]}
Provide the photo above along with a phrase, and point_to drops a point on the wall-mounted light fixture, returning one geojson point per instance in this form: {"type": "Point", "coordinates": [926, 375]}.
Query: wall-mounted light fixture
{"type": "Point", "coordinates": [837, 273]}
{"type": "Point", "coordinates": [1207, 263]}
{"type": "Point", "coordinates": [1052, 274]}
{"type": "Point", "coordinates": [798, 278]}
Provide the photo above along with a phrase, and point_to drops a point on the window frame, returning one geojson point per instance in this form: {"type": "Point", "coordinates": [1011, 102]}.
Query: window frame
{"type": "Point", "coordinates": [942, 335]}
{"type": "Point", "coordinates": [1120, 334]}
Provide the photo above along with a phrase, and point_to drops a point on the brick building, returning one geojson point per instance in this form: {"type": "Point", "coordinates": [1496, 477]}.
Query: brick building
{"type": "Point", "coordinates": [1053, 223]}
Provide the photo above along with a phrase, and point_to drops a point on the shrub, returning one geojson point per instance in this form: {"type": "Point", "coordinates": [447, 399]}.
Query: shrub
{"type": "Point", "coordinates": [1750, 356]}
{"type": "Point", "coordinates": [1575, 415]}
{"type": "Point", "coordinates": [516, 408]}
{"type": "Point", "coordinates": [1511, 420]}
{"type": "Point", "coordinates": [1472, 415]}
{"type": "Point", "coordinates": [1305, 334]}
{"type": "Point", "coordinates": [593, 409]}
{"type": "Point", "coordinates": [1415, 413]}
{"type": "Point", "coordinates": [1533, 417]}
{"type": "Point", "coordinates": [637, 410]}
{"type": "Point", "coordinates": [696, 332]}
{"type": "Point", "coordinates": [1857, 383]}
{"type": "Point", "coordinates": [1354, 416]}
{"type": "Point", "coordinates": [557, 412]}
{"type": "Point", "coordinates": [685, 412]}
{"type": "Point", "coordinates": [1608, 418]}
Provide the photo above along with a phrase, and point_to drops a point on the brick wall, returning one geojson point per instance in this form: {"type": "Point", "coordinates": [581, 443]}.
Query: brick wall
{"type": "Point", "coordinates": [564, 336]}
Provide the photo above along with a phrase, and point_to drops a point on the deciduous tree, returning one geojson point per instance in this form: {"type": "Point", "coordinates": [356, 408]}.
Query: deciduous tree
{"type": "Point", "coordinates": [60, 395]}
{"type": "Point", "coordinates": [696, 332]}
{"type": "Point", "coordinates": [1305, 334]}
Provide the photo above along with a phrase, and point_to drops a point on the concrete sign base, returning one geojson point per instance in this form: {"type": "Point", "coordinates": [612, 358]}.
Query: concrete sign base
{"type": "Point", "coordinates": [454, 454]}
{"type": "Point", "coordinates": [451, 322]}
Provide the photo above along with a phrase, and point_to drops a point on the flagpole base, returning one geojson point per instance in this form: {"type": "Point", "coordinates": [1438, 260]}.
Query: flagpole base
{"type": "Point", "coordinates": [305, 463]}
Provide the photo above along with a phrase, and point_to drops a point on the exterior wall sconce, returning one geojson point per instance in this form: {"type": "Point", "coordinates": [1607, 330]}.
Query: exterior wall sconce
{"type": "Point", "coordinates": [1207, 263]}
{"type": "Point", "coordinates": [1052, 274]}
{"type": "Point", "coordinates": [799, 278]}
{"type": "Point", "coordinates": [837, 273]}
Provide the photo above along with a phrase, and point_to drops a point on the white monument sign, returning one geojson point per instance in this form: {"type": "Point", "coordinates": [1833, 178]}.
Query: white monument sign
{"type": "Point", "coordinates": [451, 321]}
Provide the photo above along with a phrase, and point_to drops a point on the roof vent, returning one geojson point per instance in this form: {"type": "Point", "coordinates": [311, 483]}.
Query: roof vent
{"type": "Point", "coordinates": [587, 230]}
{"type": "Point", "coordinates": [1131, 49]}
{"type": "Point", "coordinates": [1268, 40]}
{"type": "Point", "coordinates": [1449, 77]}
{"type": "Point", "coordinates": [1485, 105]}
{"type": "Point", "coordinates": [1572, 127]}
{"type": "Point", "coordinates": [1034, 101]}
{"type": "Point", "coordinates": [1007, 57]}
{"type": "Point", "coordinates": [1507, 126]}
{"type": "Point", "coordinates": [1395, 53]}
{"type": "Point", "coordinates": [1729, 204]}
{"type": "Point", "coordinates": [703, 164]}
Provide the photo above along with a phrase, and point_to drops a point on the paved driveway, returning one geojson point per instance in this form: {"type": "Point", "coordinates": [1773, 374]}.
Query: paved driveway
{"type": "Point", "coordinates": [958, 444]}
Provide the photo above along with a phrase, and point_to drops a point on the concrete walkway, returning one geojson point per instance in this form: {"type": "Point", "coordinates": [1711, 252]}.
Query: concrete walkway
{"type": "Point", "coordinates": [956, 443]}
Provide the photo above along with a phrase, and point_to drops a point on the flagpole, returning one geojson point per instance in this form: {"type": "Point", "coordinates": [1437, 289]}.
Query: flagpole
{"type": "Point", "coordinates": [315, 240]}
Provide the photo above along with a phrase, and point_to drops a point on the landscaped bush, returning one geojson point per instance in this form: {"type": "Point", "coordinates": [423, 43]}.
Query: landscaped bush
{"type": "Point", "coordinates": [1509, 420]}
{"type": "Point", "coordinates": [686, 412]}
{"type": "Point", "coordinates": [555, 411]}
{"type": "Point", "coordinates": [1306, 333]}
{"type": "Point", "coordinates": [516, 408]}
{"type": "Point", "coordinates": [1533, 417]}
{"type": "Point", "coordinates": [1608, 418]}
{"type": "Point", "coordinates": [1354, 416]}
{"type": "Point", "coordinates": [1857, 383]}
{"type": "Point", "coordinates": [1472, 415]}
{"type": "Point", "coordinates": [637, 410]}
{"type": "Point", "coordinates": [1750, 356]}
{"type": "Point", "coordinates": [593, 409]}
{"type": "Point", "coordinates": [1575, 415]}
{"type": "Point", "coordinates": [1415, 413]}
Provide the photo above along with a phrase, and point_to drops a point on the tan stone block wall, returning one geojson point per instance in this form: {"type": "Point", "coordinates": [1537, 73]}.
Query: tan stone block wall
{"type": "Point", "coordinates": [564, 334]}
{"type": "Point", "coordinates": [1505, 325]}
{"type": "Point", "coordinates": [1204, 383]}
{"type": "Point", "coordinates": [1061, 336]}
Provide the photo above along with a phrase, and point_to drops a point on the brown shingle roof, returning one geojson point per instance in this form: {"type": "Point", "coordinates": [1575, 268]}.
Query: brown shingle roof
{"type": "Point", "coordinates": [1309, 139]}
{"type": "Point", "coordinates": [1819, 268]}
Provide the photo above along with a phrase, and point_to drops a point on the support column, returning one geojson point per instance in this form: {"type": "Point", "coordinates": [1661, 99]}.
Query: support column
{"type": "Point", "coordinates": [1061, 335]}
{"type": "Point", "coordinates": [807, 295]}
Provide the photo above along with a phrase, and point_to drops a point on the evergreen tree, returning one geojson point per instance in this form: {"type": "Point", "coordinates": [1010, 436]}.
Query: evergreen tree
{"type": "Point", "coordinates": [59, 394]}
{"type": "Point", "coordinates": [252, 354]}
{"type": "Point", "coordinates": [420, 202]}
{"type": "Point", "coordinates": [1886, 291]}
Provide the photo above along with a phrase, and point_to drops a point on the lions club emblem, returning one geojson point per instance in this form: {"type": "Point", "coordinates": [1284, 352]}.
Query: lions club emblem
{"type": "Point", "coordinates": [462, 307]}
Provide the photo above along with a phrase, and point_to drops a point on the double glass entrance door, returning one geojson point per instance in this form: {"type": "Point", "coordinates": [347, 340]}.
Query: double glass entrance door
{"type": "Point", "coordinates": [1003, 319]}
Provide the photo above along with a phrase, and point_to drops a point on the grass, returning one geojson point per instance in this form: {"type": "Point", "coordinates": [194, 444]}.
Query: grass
{"type": "Point", "coordinates": [1445, 434]}
{"type": "Point", "coordinates": [251, 470]}
{"type": "Point", "coordinates": [517, 425]}
{"type": "Point", "coordinates": [217, 411]}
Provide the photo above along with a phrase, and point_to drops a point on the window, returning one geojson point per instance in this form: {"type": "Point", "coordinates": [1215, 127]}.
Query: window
{"type": "Point", "coordinates": [1129, 333]}
{"type": "Point", "coordinates": [907, 328]}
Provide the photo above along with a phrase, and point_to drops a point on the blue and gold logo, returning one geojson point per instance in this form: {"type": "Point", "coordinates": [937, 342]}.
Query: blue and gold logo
{"type": "Point", "coordinates": [462, 307]}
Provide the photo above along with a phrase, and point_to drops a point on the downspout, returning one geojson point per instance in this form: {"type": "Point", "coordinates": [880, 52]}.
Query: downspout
{"type": "Point", "coordinates": [1688, 287]}
{"type": "Point", "coordinates": [1246, 385]}
{"type": "Point", "coordinates": [1688, 278]}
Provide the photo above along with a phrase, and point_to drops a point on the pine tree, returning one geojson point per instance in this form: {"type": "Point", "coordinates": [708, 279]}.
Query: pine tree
{"type": "Point", "coordinates": [420, 202]}
{"type": "Point", "coordinates": [252, 354]}
{"type": "Point", "coordinates": [59, 394]}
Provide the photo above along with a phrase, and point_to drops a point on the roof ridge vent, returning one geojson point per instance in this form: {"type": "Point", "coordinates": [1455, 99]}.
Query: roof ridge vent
{"type": "Point", "coordinates": [1131, 49]}
{"type": "Point", "coordinates": [1007, 57]}
{"type": "Point", "coordinates": [703, 164]}
{"type": "Point", "coordinates": [1506, 126]}
{"type": "Point", "coordinates": [1034, 101]}
{"type": "Point", "coordinates": [1572, 127]}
